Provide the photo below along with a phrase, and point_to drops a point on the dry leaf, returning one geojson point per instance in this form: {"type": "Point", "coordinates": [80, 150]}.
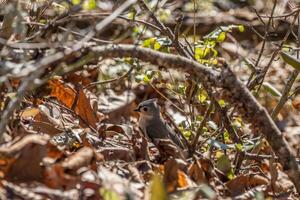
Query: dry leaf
{"type": "Point", "coordinates": [114, 153]}
{"type": "Point", "coordinates": [241, 183]}
{"type": "Point", "coordinates": [168, 149]}
{"type": "Point", "coordinates": [72, 99]}
{"type": "Point", "coordinates": [197, 173]}
{"type": "Point", "coordinates": [83, 157]}
{"type": "Point", "coordinates": [24, 158]}
{"type": "Point", "coordinates": [173, 177]}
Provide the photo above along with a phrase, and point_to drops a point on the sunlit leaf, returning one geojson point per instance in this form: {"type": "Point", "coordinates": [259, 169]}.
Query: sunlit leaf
{"type": "Point", "coordinates": [181, 89]}
{"type": "Point", "coordinates": [187, 133]}
{"type": "Point", "coordinates": [76, 2]}
{"type": "Point", "coordinates": [221, 37]}
{"type": "Point", "coordinates": [237, 122]}
{"type": "Point", "coordinates": [89, 4]}
{"type": "Point", "coordinates": [241, 28]}
{"type": "Point", "coordinates": [108, 194]}
{"type": "Point", "coordinates": [29, 112]}
{"type": "Point", "coordinates": [156, 46]}
{"type": "Point", "coordinates": [202, 97]}
{"type": "Point", "coordinates": [149, 42]}
{"type": "Point", "coordinates": [239, 147]}
{"type": "Point", "coordinates": [271, 89]}
{"type": "Point", "coordinates": [291, 60]}
{"type": "Point", "coordinates": [230, 174]}
{"type": "Point", "coordinates": [223, 164]}
{"type": "Point", "coordinates": [164, 14]}
{"type": "Point", "coordinates": [226, 136]}
{"type": "Point", "coordinates": [131, 14]}
{"type": "Point", "coordinates": [222, 103]}
{"type": "Point", "coordinates": [157, 189]}
{"type": "Point", "coordinates": [146, 79]}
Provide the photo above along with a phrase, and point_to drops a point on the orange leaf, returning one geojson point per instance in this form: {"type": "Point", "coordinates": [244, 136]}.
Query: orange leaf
{"type": "Point", "coordinates": [29, 112]}
{"type": "Point", "coordinates": [84, 110]}
{"type": "Point", "coordinates": [63, 93]}
{"type": "Point", "coordinates": [68, 95]}
{"type": "Point", "coordinates": [182, 180]}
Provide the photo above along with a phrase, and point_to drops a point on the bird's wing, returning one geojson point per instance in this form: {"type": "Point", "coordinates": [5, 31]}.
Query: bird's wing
{"type": "Point", "coordinates": [174, 137]}
{"type": "Point", "coordinates": [156, 131]}
{"type": "Point", "coordinates": [161, 130]}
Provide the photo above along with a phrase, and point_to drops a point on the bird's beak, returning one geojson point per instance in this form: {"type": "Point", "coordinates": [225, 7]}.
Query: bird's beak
{"type": "Point", "coordinates": [137, 109]}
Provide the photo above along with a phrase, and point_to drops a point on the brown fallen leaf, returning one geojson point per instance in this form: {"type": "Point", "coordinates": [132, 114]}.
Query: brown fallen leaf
{"type": "Point", "coordinates": [197, 173]}
{"type": "Point", "coordinates": [83, 157]}
{"type": "Point", "coordinates": [174, 178]}
{"type": "Point", "coordinates": [29, 113]}
{"type": "Point", "coordinates": [63, 93]}
{"type": "Point", "coordinates": [242, 183]}
{"type": "Point", "coordinates": [118, 153]}
{"type": "Point", "coordinates": [76, 100]}
{"type": "Point", "coordinates": [55, 177]}
{"type": "Point", "coordinates": [20, 164]}
{"type": "Point", "coordinates": [85, 111]}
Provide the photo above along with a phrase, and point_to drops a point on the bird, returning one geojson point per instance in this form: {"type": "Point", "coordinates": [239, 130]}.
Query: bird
{"type": "Point", "coordinates": [152, 123]}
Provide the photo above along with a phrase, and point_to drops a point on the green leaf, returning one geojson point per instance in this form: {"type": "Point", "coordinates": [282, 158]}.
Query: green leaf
{"type": "Point", "coordinates": [223, 164]}
{"type": "Point", "coordinates": [199, 53]}
{"type": "Point", "coordinates": [226, 136]}
{"type": "Point", "coordinates": [149, 42]}
{"type": "Point", "coordinates": [237, 122]}
{"type": "Point", "coordinates": [156, 46]}
{"type": "Point", "coordinates": [89, 5]}
{"type": "Point", "coordinates": [150, 73]}
{"type": "Point", "coordinates": [146, 79]}
{"type": "Point", "coordinates": [132, 14]}
{"type": "Point", "coordinates": [272, 90]}
{"type": "Point", "coordinates": [230, 174]}
{"type": "Point", "coordinates": [187, 133]}
{"type": "Point", "coordinates": [164, 14]}
{"type": "Point", "coordinates": [222, 103]}
{"type": "Point", "coordinates": [241, 28]}
{"type": "Point", "coordinates": [291, 60]}
{"type": "Point", "coordinates": [215, 52]}
{"type": "Point", "coordinates": [221, 37]}
{"type": "Point", "coordinates": [76, 2]}
{"type": "Point", "coordinates": [239, 147]}
{"type": "Point", "coordinates": [108, 194]}
{"type": "Point", "coordinates": [157, 189]}
{"type": "Point", "coordinates": [181, 89]}
{"type": "Point", "coordinates": [202, 97]}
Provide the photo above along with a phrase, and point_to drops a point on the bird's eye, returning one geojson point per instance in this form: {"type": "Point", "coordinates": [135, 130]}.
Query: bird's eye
{"type": "Point", "coordinates": [145, 109]}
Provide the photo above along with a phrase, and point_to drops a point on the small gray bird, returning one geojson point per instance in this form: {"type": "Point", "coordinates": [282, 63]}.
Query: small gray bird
{"type": "Point", "coordinates": [152, 123]}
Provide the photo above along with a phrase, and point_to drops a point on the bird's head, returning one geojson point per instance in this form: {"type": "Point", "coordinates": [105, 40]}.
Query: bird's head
{"type": "Point", "coordinates": [148, 108]}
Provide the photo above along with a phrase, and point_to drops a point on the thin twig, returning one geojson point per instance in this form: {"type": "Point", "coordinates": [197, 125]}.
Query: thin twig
{"type": "Point", "coordinates": [200, 128]}
{"type": "Point", "coordinates": [110, 80]}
